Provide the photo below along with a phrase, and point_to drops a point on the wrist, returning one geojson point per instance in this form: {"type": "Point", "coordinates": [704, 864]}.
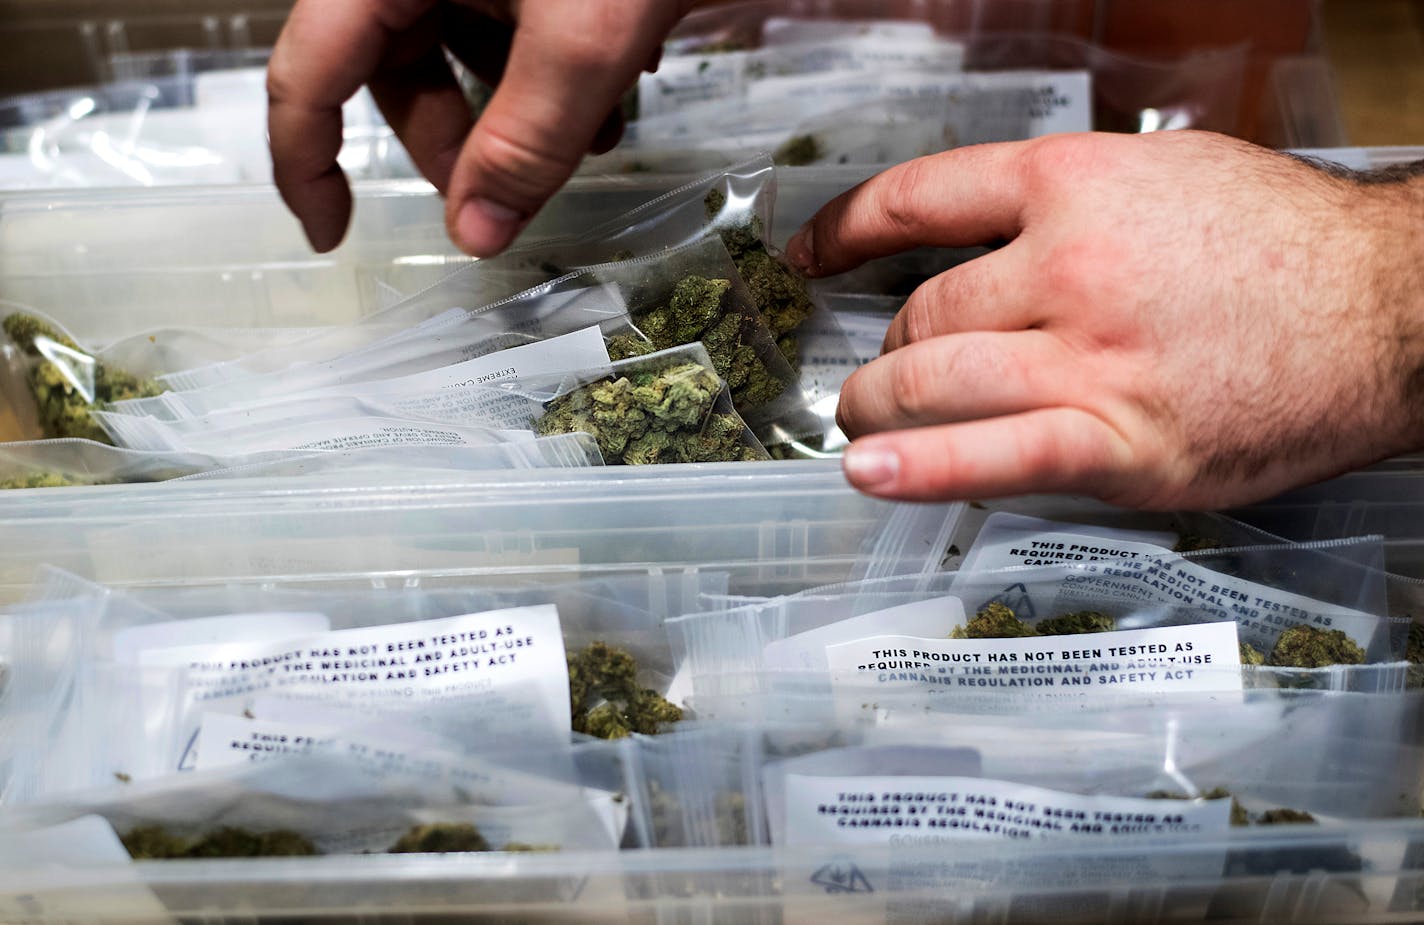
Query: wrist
{"type": "Point", "coordinates": [1395, 292]}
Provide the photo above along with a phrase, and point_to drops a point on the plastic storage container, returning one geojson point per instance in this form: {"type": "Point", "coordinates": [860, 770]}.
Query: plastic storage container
{"type": "Point", "coordinates": [775, 527]}
{"type": "Point", "coordinates": [1367, 873]}
{"type": "Point", "coordinates": [107, 263]}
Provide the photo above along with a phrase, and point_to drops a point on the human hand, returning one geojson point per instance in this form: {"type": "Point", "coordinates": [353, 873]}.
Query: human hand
{"type": "Point", "coordinates": [1180, 320]}
{"type": "Point", "coordinates": [559, 68]}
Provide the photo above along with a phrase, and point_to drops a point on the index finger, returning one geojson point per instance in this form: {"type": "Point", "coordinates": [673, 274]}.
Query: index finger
{"type": "Point", "coordinates": [960, 198]}
{"type": "Point", "coordinates": [326, 51]}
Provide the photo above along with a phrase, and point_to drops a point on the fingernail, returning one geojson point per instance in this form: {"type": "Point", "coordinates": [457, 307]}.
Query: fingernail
{"type": "Point", "coordinates": [800, 251]}
{"type": "Point", "coordinates": [870, 467]}
{"type": "Point", "coordinates": [486, 227]}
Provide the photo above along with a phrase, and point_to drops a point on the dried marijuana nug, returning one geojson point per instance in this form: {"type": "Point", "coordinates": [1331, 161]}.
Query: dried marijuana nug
{"type": "Point", "coordinates": [994, 621]}
{"type": "Point", "coordinates": [1250, 655]}
{"type": "Point", "coordinates": [37, 480]}
{"type": "Point", "coordinates": [154, 842]}
{"type": "Point", "coordinates": [440, 838]}
{"type": "Point", "coordinates": [799, 151]}
{"type": "Point", "coordinates": [1072, 624]}
{"type": "Point", "coordinates": [698, 310]}
{"type": "Point", "coordinates": [780, 294]}
{"type": "Point", "coordinates": [606, 699]}
{"type": "Point", "coordinates": [1305, 646]}
{"type": "Point", "coordinates": [656, 415]}
{"type": "Point", "coordinates": [997, 621]}
{"type": "Point", "coordinates": [59, 388]}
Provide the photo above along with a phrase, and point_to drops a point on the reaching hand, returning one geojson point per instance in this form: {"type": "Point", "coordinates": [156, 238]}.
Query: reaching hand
{"type": "Point", "coordinates": [1178, 320]}
{"type": "Point", "coordinates": [560, 67]}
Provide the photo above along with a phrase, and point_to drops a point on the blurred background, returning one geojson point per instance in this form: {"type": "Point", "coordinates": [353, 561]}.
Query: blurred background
{"type": "Point", "coordinates": [1320, 72]}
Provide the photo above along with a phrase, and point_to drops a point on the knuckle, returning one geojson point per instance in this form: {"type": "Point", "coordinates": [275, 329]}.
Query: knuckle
{"type": "Point", "coordinates": [279, 83]}
{"type": "Point", "coordinates": [1042, 454]}
{"type": "Point", "coordinates": [1050, 162]}
{"type": "Point", "coordinates": [899, 200]}
{"type": "Point", "coordinates": [978, 360]}
{"type": "Point", "coordinates": [911, 387]}
{"type": "Point", "coordinates": [917, 321]}
{"type": "Point", "coordinates": [524, 171]}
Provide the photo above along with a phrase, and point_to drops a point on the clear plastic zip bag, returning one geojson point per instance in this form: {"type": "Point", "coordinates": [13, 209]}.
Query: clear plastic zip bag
{"type": "Point", "coordinates": [901, 634]}
{"type": "Point", "coordinates": [126, 680]}
{"type": "Point", "coordinates": [66, 382]}
{"type": "Point", "coordinates": [668, 406]}
{"type": "Point", "coordinates": [489, 285]}
{"type": "Point", "coordinates": [310, 804]}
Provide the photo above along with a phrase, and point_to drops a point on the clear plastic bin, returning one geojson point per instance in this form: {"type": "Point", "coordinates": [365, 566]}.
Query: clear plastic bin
{"type": "Point", "coordinates": [107, 263]}
{"type": "Point", "coordinates": [775, 527]}
{"type": "Point", "coordinates": [1361, 873]}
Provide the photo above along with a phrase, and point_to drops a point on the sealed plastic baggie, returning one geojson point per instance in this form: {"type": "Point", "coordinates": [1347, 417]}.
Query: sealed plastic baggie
{"type": "Point", "coordinates": [1142, 774]}
{"type": "Point", "coordinates": [66, 382]}
{"type": "Point", "coordinates": [446, 341]}
{"type": "Point", "coordinates": [692, 781]}
{"type": "Point", "coordinates": [1338, 587]}
{"type": "Point", "coordinates": [668, 406]}
{"type": "Point", "coordinates": [126, 692]}
{"type": "Point", "coordinates": [319, 803]}
{"type": "Point", "coordinates": [684, 295]}
{"type": "Point", "coordinates": [1198, 90]}
{"type": "Point", "coordinates": [663, 407]}
{"type": "Point", "coordinates": [736, 205]}
{"type": "Point", "coordinates": [824, 368]}
{"type": "Point", "coordinates": [465, 290]}
{"type": "Point", "coordinates": [1020, 630]}
{"type": "Point", "coordinates": [335, 423]}
{"type": "Point", "coordinates": [274, 405]}
{"type": "Point", "coordinates": [683, 80]}
{"type": "Point", "coordinates": [62, 463]}
{"type": "Point", "coordinates": [612, 629]}
{"type": "Point", "coordinates": [57, 463]}
{"type": "Point", "coordinates": [556, 452]}
{"type": "Point", "coordinates": [802, 118]}
{"type": "Point", "coordinates": [440, 747]}
{"type": "Point", "coordinates": [39, 662]}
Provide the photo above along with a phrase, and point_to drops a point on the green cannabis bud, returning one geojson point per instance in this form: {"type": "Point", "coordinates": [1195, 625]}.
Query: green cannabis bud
{"type": "Point", "coordinates": [607, 701]}
{"type": "Point", "coordinates": [732, 819]}
{"type": "Point", "coordinates": [660, 415]}
{"type": "Point", "coordinates": [154, 842]}
{"type": "Point", "coordinates": [997, 621]}
{"type": "Point", "coordinates": [440, 838]}
{"type": "Point", "coordinates": [1193, 542]}
{"type": "Point", "coordinates": [38, 480]}
{"type": "Point", "coordinates": [994, 621]}
{"type": "Point", "coordinates": [799, 151]}
{"type": "Point", "coordinates": [780, 294]}
{"type": "Point", "coordinates": [64, 411]}
{"type": "Point", "coordinates": [1250, 655]}
{"type": "Point", "coordinates": [1081, 621]}
{"type": "Point", "coordinates": [1284, 817]}
{"type": "Point", "coordinates": [1414, 648]}
{"type": "Point", "coordinates": [1304, 646]}
{"type": "Point", "coordinates": [627, 346]}
{"type": "Point", "coordinates": [697, 311]}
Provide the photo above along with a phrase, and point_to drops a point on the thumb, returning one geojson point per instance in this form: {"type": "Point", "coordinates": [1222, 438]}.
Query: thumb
{"type": "Point", "coordinates": [569, 63]}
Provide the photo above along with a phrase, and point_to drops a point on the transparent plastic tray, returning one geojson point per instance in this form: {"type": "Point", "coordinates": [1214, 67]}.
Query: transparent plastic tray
{"type": "Point", "coordinates": [107, 263]}
{"type": "Point", "coordinates": [775, 527]}
{"type": "Point", "coordinates": [1367, 872]}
